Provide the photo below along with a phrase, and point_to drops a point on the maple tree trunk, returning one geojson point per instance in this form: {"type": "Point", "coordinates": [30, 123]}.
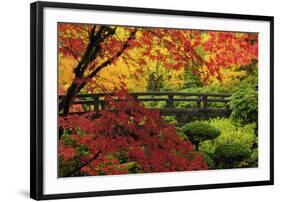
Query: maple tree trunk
{"type": "Point", "coordinates": [96, 37]}
{"type": "Point", "coordinates": [72, 91]}
{"type": "Point", "coordinates": [196, 144]}
{"type": "Point", "coordinates": [64, 105]}
{"type": "Point", "coordinates": [74, 88]}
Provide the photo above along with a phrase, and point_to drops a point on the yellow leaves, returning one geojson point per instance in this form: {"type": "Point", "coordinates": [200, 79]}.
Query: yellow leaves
{"type": "Point", "coordinates": [109, 78]}
{"type": "Point", "coordinates": [133, 75]}
{"type": "Point", "coordinates": [174, 79]}
{"type": "Point", "coordinates": [136, 77]}
{"type": "Point", "coordinates": [230, 76]}
{"type": "Point", "coordinates": [204, 37]}
{"type": "Point", "coordinates": [121, 33]}
{"type": "Point", "coordinates": [66, 75]}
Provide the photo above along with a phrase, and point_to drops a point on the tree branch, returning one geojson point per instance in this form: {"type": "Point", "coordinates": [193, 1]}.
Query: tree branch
{"type": "Point", "coordinates": [109, 61]}
{"type": "Point", "coordinates": [84, 63]}
{"type": "Point", "coordinates": [72, 52]}
{"type": "Point", "coordinates": [83, 165]}
{"type": "Point", "coordinates": [96, 41]}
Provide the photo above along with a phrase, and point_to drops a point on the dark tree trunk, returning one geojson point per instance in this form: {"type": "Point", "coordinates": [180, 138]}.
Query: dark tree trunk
{"type": "Point", "coordinates": [96, 37]}
{"type": "Point", "coordinates": [75, 88]}
{"type": "Point", "coordinates": [196, 146]}
{"type": "Point", "coordinates": [64, 104]}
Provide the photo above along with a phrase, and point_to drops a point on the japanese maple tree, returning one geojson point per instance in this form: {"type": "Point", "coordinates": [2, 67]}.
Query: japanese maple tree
{"type": "Point", "coordinates": [95, 47]}
{"type": "Point", "coordinates": [122, 135]}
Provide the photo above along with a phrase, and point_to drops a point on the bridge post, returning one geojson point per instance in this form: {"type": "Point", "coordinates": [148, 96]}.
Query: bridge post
{"type": "Point", "coordinates": [205, 101]}
{"type": "Point", "coordinates": [205, 106]}
{"type": "Point", "coordinates": [96, 103]}
{"type": "Point", "coordinates": [181, 118]}
{"type": "Point", "coordinates": [135, 97]}
{"type": "Point", "coordinates": [170, 101]}
{"type": "Point", "coordinates": [102, 104]}
{"type": "Point", "coordinates": [198, 104]}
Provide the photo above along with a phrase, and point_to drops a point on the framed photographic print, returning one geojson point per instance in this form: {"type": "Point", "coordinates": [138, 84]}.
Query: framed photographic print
{"type": "Point", "coordinates": [136, 100]}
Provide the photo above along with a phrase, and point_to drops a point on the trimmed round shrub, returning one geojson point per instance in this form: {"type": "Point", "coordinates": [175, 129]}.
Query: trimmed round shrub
{"type": "Point", "coordinates": [230, 154]}
{"type": "Point", "coordinates": [200, 131]}
{"type": "Point", "coordinates": [230, 132]}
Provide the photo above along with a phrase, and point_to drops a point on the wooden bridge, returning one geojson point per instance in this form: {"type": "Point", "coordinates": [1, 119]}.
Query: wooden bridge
{"type": "Point", "coordinates": [198, 105]}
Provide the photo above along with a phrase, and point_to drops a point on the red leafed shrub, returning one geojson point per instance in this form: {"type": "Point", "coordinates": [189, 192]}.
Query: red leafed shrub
{"type": "Point", "coordinates": [123, 138]}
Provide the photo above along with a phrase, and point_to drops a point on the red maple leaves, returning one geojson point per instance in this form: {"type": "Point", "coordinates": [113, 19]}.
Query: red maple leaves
{"type": "Point", "coordinates": [173, 48]}
{"type": "Point", "coordinates": [67, 152]}
{"type": "Point", "coordinates": [127, 130]}
{"type": "Point", "coordinates": [229, 48]}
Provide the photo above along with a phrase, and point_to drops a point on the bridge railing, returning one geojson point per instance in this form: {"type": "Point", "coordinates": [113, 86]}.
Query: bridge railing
{"type": "Point", "coordinates": [202, 106]}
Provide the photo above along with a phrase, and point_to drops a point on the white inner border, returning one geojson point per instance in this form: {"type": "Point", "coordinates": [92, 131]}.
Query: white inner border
{"type": "Point", "coordinates": [54, 185]}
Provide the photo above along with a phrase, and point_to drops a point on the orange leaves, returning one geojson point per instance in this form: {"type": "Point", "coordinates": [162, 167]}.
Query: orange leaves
{"type": "Point", "coordinates": [73, 39]}
{"type": "Point", "coordinates": [171, 49]}
{"type": "Point", "coordinates": [226, 48]}
{"type": "Point", "coordinates": [142, 61]}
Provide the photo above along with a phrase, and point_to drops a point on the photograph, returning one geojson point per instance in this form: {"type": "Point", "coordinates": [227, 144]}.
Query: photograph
{"type": "Point", "coordinates": [140, 99]}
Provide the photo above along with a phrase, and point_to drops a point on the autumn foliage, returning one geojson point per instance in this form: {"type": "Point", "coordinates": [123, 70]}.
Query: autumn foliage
{"type": "Point", "coordinates": [95, 48]}
{"type": "Point", "coordinates": [125, 132]}
{"type": "Point", "coordinates": [124, 136]}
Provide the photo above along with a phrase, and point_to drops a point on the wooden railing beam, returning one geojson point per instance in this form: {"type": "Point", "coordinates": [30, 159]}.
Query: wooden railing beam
{"type": "Point", "coordinates": [201, 100]}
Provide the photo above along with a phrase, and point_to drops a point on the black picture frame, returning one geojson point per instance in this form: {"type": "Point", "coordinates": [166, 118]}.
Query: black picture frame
{"type": "Point", "coordinates": [36, 99]}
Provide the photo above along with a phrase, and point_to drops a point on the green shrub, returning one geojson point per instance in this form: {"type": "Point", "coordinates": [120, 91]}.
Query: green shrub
{"type": "Point", "coordinates": [214, 88]}
{"type": "Point", "coordinates": [244, 104]}
{"type": "Point", "coordinates": [250, 162]}
{"type": "Point", "coordinates": [229, 132]}
{"type": "Point", "coordinates": [184, 104]}
{"type": "Point", "coordinates": [154, 104]}
{"type": "Point", "coordinates": [171, 119]}
{"type": "Point", "coordinates": [200, 131]}
{"type": "Point", "coordinates": [254, 159]}
{"type": "Point", "coordinates": [208, 159]}
{"type": "Point", "coordinates": [191, 80]}
{"type": "Point", "coordinates": [181, 133]}
{"type": "Point", "coordinates": [230, 154]}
